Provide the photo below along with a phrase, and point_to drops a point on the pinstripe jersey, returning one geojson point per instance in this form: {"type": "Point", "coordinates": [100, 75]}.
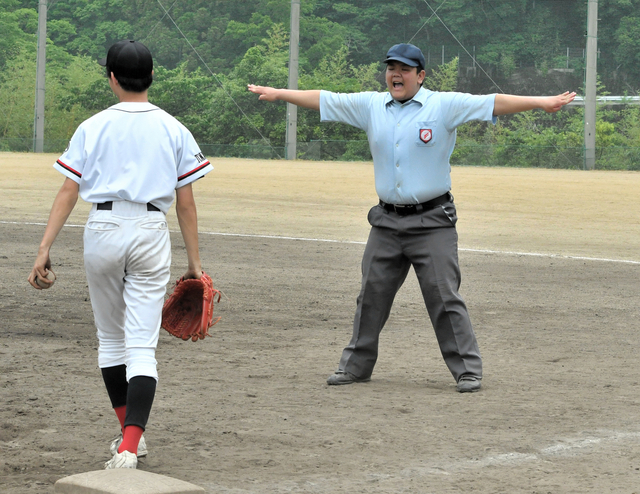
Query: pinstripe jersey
{"type": "Point", "coordinates": [133, 152]}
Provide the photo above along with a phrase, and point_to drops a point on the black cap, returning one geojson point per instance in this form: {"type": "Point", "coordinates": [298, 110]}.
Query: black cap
{"type": "Point", "coordinates": [407, 54]}
{"type": "Point", "coordinates": [130, 59]}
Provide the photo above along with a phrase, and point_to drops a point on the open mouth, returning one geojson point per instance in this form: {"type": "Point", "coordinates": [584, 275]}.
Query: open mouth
{"type": "Point", "coordinates": [397, 85]}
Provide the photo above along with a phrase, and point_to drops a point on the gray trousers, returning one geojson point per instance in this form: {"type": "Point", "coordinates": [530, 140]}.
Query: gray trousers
{"type": "Point", "coordinates": [429, 242]}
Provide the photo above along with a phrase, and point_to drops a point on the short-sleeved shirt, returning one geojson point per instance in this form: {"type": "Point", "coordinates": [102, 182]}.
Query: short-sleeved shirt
{"type": "Point", "coordinates": [133, 152]}
{"type": "Point", "coordinates": [411, 143]}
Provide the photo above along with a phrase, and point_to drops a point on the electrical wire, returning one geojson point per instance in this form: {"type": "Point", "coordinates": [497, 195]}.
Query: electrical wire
{"type": "Point", "coordinates": [158, 23]}
{"type": "Point", "coordinates": [463, 47]}
{"type": "Point", "coordinates": [217, 79]}
{"type": "Point", "coordinates": [474, 61]}
{"type": "Point", "coordinates": [425, 23]}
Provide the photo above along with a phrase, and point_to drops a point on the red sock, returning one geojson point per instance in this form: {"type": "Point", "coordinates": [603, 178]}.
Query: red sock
{"type": "Point", "coordinates": [131, 439]}
{"type": "Point", "coordinates": [120, 412]}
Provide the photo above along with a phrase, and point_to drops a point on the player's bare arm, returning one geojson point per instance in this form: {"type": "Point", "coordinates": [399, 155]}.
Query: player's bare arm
{"type": "Point", "coordinates": [509, 103]}
{"type": "Point", "coordinates": [304, 98]}
{"type": "Point", "coordinates": [63, 204]}
{"type": "Point", "coordinates": [188, 221]}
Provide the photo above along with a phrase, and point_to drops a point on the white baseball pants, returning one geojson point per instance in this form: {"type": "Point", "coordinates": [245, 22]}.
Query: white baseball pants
{"type": "Point", "coordinates": [127, 256]}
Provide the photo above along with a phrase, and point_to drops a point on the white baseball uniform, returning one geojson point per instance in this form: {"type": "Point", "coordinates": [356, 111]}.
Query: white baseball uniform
{"type": "Point", "coordinates": [131, 156]}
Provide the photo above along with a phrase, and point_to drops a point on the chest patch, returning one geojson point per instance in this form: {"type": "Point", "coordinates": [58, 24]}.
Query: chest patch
{"type": "Point", "coordinates": [425, 135]}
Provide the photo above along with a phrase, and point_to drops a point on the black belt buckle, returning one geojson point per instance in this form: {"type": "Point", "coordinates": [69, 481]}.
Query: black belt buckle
{"type": "Point", "coordinates": [404, 210]}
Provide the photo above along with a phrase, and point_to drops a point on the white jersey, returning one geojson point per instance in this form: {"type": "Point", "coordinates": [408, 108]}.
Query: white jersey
{"type": "Point", "coordinates": [133, 152]}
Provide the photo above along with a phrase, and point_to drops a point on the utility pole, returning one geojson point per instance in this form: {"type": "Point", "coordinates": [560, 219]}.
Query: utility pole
{"type": "Point", "coordinates": [292, 110]}
{"type": "Point", "coordinates": [41, 60]}
{"type": "Point", "coordinates": [590, 87]}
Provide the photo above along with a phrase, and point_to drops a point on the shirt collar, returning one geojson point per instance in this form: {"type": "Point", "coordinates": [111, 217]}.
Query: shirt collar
{"type": "Point", "coordinates": [420, 97]}
{"type": "Point", "coordinates": [134, 105]}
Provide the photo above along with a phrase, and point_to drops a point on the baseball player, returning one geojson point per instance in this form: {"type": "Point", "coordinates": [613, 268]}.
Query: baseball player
{"type": "Point", "coordinates": [411, 132]}
{"type": "Point", "coordinates": [128, 161]}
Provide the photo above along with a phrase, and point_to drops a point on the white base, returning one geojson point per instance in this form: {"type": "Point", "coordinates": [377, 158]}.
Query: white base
{"type": "Point", "coordinates": [123, 481]}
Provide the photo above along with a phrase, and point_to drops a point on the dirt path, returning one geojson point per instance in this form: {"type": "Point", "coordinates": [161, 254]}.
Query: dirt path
{"type": "Point", "coordinates": [558, 413]}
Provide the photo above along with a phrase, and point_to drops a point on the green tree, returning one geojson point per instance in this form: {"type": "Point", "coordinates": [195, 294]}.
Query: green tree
{"type": "Point", "coordinates": [66, 77]}
{"type": "Point", "coordinates": [443, 77]}
{"type": "Point", "coordinates": [627, 53]}
{"type": "Point", "coordinates": [18, 28]}
{"type": "Point", "coordinates": [17, 90]}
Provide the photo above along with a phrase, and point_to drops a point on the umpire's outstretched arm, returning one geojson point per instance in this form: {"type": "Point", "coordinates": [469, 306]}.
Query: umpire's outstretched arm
{"type": "Point", "coordinates": [509, 103]}
{"type": "Point", "coordinates": [306, 99]}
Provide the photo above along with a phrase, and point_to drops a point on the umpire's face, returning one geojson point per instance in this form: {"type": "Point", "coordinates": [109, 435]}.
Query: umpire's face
{"type": "Point", "coordinates": [403, 80]}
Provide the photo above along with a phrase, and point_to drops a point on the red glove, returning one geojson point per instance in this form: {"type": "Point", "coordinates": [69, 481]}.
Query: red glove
{"type": "Point", "coordinates": [188, 312]}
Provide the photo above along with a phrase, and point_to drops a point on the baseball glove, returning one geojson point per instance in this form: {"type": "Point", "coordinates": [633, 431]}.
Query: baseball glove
{"type": "Point", "coordinates": [188, 312]}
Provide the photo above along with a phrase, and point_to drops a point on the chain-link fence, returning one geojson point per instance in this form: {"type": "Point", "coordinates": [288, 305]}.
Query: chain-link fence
{"type": "Point", "coordinates": [607, 158]}
{"type": "Point", "coordinates": [24, 145]}
{"type": "Point", "coordinates": [242, 151]}
{"type": "Point", "coordinates": [568, 58]}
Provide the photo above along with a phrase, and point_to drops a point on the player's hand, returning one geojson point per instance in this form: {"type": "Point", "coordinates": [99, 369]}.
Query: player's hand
{"type": "Point", "coordinates": [266, 93]}
{"type": "Point", "coordinates": [192, 274]}
{"type": "Point", "coordinates": [41, 267]}
{"type": "Point", "coordinates": [552, 104]}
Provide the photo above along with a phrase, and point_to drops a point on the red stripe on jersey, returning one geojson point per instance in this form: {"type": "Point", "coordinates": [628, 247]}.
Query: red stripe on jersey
{"type": "Point", "coordinates": [206, 163]}
{"type": "Point", "coordinates": [75, 172]}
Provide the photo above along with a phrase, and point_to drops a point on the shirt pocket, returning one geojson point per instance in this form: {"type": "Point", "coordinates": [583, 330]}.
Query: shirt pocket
{"type": "Point", "coordinates": [425, 133]}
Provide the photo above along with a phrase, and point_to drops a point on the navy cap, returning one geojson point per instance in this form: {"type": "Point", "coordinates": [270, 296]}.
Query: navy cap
{"type": "Point", "coordinates": [130, 59]}
{"type": "Point", "coordinates": [407, 54]}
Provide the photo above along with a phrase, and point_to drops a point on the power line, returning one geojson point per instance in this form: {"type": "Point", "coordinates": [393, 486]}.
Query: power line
{"type": "Point", "coordinates": [463, 47]}
{"type": "Point", "coordinates": [216, 78]}
{"type": "Point", "coordinates": [158, 23]}
{"type": "Point", "coordinates": [474, 61]}
{"type": "Point", "coordinates": [425, 22]}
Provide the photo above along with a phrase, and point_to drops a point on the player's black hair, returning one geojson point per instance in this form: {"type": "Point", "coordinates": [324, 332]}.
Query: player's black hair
{"type": "Point", "coordinates": [132, 85]}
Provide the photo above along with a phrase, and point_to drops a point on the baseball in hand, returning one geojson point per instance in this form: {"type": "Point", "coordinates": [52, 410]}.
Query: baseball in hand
{"type": "Point", "coordinates": [50, 276]}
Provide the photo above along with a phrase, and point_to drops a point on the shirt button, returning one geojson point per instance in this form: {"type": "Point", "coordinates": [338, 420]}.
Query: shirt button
{"type": "Point", "coordinates": [397, 165]}
{"type": "Point", "coordinates": [397, 186]}
{"type": "Point", "coordinates": [397, 144]}
{"type": "Point", "coordinates": [398, 125]}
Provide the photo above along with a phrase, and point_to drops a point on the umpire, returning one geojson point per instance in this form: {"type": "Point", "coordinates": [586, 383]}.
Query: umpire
{"type": "Point", "coordinates": [412, 133]}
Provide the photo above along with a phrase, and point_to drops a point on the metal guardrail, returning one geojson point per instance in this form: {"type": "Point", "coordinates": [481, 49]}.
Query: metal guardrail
{"type": "Point", "coordinates": [608, 100]}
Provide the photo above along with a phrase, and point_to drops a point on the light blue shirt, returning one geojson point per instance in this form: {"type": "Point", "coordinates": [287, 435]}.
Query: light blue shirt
{"type": "Point", "coordinates": [411, 143]}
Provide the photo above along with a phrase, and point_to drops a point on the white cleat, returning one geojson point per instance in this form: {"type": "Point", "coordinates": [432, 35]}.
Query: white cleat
{"type": "Point", "coordinates": [122, 460]}
{"type": "Point", "coordinates": [142, 446]}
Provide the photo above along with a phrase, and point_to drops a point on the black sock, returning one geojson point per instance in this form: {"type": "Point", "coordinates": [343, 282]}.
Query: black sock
{"type": "Point", "coordinates": [115, 379]}
{"type": "Point", "coordinates": [140, 394]}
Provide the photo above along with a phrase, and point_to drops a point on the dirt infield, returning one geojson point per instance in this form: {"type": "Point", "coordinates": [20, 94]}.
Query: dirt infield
{"type": "Point", "coordinates": [554, 304]}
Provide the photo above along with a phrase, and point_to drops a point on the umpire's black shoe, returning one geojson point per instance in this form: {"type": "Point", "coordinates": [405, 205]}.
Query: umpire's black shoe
{"type": "Point", "coordinates": [341, 377]}
{"type": "Point", "coordinates": [468, 384]}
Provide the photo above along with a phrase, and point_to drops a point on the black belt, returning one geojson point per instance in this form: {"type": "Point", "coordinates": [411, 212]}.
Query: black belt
{"type": "Point", "coordinates": [407, 209]}
{"type": "Point", "coordinates": [108, 206]}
